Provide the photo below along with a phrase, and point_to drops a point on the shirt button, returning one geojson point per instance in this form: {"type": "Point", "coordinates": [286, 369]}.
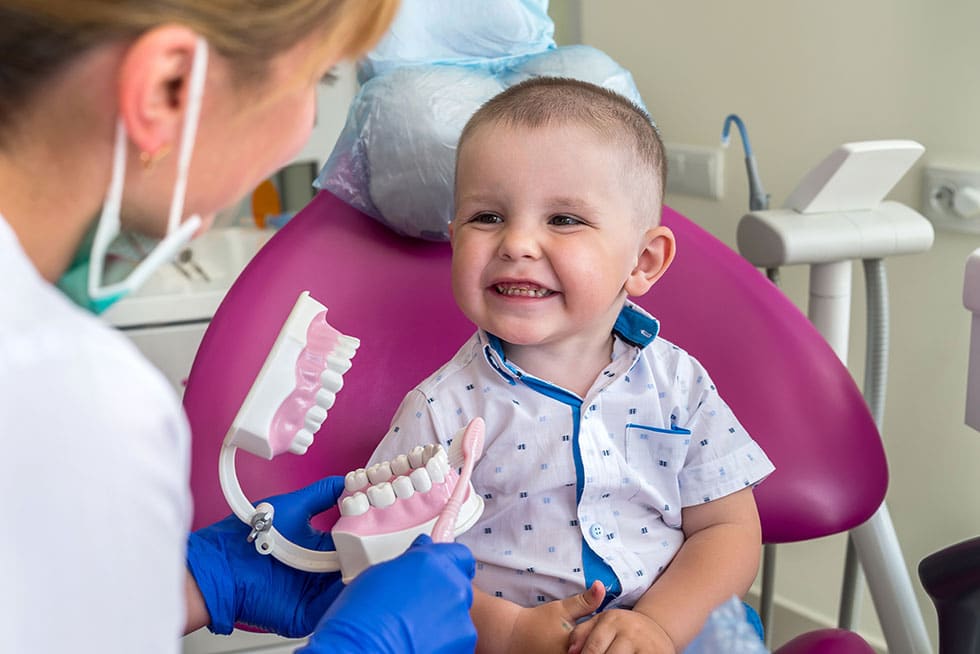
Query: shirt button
{"type": "Point", "coordinates": [595, 531]}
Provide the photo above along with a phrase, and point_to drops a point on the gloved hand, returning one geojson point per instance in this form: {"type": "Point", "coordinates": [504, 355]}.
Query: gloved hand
{"type": "Point", "coordinates": [240, 585]}
{"type": "Point", "coordinates": [418, 602]}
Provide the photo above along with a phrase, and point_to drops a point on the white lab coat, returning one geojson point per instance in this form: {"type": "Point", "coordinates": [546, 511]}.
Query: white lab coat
{"type": "Point", "coordinates": [94, 462]}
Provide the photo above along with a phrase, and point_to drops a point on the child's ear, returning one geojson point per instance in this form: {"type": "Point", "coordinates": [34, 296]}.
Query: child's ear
{"type": "Point", "coordinates": [655, 256]}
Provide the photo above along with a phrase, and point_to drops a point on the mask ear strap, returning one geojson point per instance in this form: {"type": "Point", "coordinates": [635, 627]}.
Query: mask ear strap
{"type": "Point", "coordinates": [192, 116]}
{"type": "Point", "coordinates": [178, 233]}
{"type": "Point", "coordinates": [108, 227]}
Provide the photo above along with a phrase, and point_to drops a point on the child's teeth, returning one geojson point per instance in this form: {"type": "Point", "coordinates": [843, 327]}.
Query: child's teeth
{"type": "Point", "coordinates": [355, 480]}
{"type": "Point", "coordinates": [331, 381]}
{"type": "Point", "coordinates": [400, 465]}
{"type": "Point", "coordinates": [416, 456]}
{"type": "Point", "coordinates": [403, 487]}
{"type": "Point", "coordinates": [379, 472]}
{"type": "Point", "coordinates": [325, 399]}
{"type": "Point", "coordinates": [381, 495]}
{"type": "Point", "coordinates": [315, 417]}
{"type": "Point", "coordinates": [526, 291]}
{"type": "Point", "coordinates": [420, 480]}
{"type": "Point", "coordinates": [301, 441]}
{"type": "Point", "coordinates": [355, 504]}
{"type": "Point", "coordinates": [437, 470]}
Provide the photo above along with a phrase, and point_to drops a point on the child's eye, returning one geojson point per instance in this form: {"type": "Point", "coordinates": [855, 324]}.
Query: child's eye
{"type": "Point", "coordinates": [486, 218]}
{"type": "Point", "coordinates": [564, 219]}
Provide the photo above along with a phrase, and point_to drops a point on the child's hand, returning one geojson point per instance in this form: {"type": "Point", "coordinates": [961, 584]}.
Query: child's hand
{"type": "Point", "coordinates": [620, 630]}
{"type": "Point", "coordinates": [546, 628]}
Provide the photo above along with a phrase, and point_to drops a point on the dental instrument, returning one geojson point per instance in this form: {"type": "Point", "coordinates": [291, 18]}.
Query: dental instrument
{"type": "Point", "coordinates": [383, 508]}
{"type": "Point", "coordinates": [758, 201]}
{"type": "Point", "coordinates": [758, 198]}
{"type": "Point", "coordinates": [837, 214]}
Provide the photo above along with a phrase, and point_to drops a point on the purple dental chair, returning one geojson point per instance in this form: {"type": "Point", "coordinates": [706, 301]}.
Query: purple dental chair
{"type": "Point", "coordinates": [771, 365]}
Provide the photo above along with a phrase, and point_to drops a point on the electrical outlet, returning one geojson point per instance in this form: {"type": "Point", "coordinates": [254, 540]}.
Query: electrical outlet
{"type": "Point", "coordinates": [695, 170]}
{"type": "Point", "coordinates": [949, 195]}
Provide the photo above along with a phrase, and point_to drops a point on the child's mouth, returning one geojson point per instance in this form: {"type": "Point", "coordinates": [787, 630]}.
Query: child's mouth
{"type": "Point", "coordinates": [522, 290]}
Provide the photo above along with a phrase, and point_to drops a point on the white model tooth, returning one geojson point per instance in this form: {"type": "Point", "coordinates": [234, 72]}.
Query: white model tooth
{"type": "Point", "coordinates": [421, 480]}
{"type": "Point", "coordinates": [338, 364]}
{"type": "Point", "coordinates": [355, 480]}
{"type": "Point", "coordinates": [325, 398]}
{"type": "Point", "coordinates": [331, 381]}
{"type": "Point", "coordinates": [355, 504]}
{"type": "Point", "coordinates": [403, 487]}
{"type": "Point", "coordinates": [347, 344]}
{"type": "Point", "coordinates": [315, 417]}
{"type": "Point", "coordinates": [437, 470]}
{"type": "Point", "coordinates": [381, 495]}
{"type": "Point", "coordinates": [301, 441]}
{"type": "Point", "coordinates": [400, 465]}
{"type": "Point", "coordinates": [428, 451]}
{"type": "Point", "coordinates": [379, 472]}
{"type": "Point", "coordinates": [416, 457]}
{"type": "Point", "coordinates": [439, 453]}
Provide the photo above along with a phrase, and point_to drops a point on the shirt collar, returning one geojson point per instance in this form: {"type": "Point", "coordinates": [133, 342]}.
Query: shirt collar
{"type": "Point", "coordinates": [634, 326]}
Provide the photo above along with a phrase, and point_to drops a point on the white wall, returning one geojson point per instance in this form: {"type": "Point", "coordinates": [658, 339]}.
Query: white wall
{"type": "Point", "coordinates": [805, 77]}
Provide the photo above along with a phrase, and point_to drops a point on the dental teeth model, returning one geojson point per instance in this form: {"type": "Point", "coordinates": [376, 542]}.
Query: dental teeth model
{"type": "Point", "coordinates": [284, 408]}
{"type": "Point", "coordinates": [384, 507]}
{"type": "Point", "coordinates": [296, 386]}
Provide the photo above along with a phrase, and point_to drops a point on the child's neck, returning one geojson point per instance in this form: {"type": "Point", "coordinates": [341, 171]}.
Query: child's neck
{"type": "Point", "coordinates": [573, 365]}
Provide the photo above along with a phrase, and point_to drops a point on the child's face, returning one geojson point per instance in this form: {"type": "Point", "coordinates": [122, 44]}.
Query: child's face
{"type": "Point", "coordinates": [546, 236]}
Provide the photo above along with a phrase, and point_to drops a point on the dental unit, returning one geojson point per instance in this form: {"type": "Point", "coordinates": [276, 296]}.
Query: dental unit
{"type": "Point", "coordinates": [383, 508]}
{"type": "Point", "coordinates": [837, 214]}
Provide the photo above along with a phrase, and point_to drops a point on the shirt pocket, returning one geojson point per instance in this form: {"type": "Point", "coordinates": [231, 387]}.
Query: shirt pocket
{"type": "Point", "coordinates": [656, 456]}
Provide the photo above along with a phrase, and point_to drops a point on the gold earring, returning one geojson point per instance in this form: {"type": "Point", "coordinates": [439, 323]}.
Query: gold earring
{"type": "Point", "coordinates": [150, 159]}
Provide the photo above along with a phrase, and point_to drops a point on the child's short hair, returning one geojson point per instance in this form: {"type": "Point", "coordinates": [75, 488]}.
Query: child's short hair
{"type": "Point", "coordinates": [555, 100]}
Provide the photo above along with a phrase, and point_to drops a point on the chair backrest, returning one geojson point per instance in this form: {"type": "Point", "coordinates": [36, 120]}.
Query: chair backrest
{"type": "Point", "coordinates": [782, 380]}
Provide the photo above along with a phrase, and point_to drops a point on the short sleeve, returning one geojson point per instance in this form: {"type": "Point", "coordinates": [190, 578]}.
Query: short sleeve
{"type": "Point", "coordinates": [722, 457]}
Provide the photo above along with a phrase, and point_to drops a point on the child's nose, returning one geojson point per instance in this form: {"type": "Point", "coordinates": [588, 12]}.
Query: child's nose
{"type": "Point", "coordinates": [518, 242]}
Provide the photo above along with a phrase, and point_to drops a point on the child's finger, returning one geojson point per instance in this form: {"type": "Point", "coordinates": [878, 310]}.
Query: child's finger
{"type": "Point", "coordinates": [584, 603]}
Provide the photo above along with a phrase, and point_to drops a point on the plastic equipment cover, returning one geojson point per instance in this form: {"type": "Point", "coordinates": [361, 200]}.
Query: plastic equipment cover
{"type": "Point", "coordinates": [442, 59]}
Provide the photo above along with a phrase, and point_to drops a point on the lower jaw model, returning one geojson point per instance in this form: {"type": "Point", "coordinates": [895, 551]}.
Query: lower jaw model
{"type": "Point", "coordinates": [386, 506]}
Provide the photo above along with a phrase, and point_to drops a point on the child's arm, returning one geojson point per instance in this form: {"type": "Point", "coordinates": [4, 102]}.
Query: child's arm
{"type": "Point", "coordinates": [719, 558]}
{"type": "Point", "coordinates": [504, 627]}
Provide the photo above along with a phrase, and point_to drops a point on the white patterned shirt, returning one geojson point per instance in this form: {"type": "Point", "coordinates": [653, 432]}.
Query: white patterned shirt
{"type": "Point", "coordinates": [578, 489]}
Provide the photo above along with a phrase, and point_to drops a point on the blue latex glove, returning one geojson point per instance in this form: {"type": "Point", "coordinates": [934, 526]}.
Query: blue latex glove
{"type": "Point", "coordinates": [240, 585]}
{"type": "Point", "coordinates": [418, 602]}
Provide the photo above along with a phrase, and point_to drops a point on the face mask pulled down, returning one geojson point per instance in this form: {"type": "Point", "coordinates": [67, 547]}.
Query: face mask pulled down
{"type": "Point", "coordinates": [110, 265]}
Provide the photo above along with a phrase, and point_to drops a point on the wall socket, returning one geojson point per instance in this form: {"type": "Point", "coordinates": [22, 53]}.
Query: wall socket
{"type": "Point", "coordinates": [941, 184]}
{"type": "Point", "coordinates": [695, 170]}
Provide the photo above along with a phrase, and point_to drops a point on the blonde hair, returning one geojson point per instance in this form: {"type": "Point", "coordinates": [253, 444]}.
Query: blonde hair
{"type": "Point", "coordinates": [542, 101]}
{"type": "Point", "coordinates": [38, 38]}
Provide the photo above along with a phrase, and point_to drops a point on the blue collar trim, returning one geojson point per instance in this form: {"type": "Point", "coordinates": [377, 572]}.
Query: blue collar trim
{"type": "Point", "coordinates": [636, 326]}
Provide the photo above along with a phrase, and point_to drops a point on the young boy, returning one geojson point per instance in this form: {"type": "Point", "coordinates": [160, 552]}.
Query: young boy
{"type": "Point", "coordinates": [609, 455]}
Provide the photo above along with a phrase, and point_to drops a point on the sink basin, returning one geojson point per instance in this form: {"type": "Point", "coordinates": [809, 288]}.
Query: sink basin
{"type": "Point", "coordinates": [191, 290]}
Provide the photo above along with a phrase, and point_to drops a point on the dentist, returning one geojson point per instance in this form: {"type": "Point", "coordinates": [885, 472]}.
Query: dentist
{"type": "Point", "coordinates": [139, 119]}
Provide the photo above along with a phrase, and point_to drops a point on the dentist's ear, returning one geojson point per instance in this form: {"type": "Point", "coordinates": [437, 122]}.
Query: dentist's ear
{"type": "Point", "coordinates": [153, 86]}
{"type": "Point", "coordinates": [655, 256]}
